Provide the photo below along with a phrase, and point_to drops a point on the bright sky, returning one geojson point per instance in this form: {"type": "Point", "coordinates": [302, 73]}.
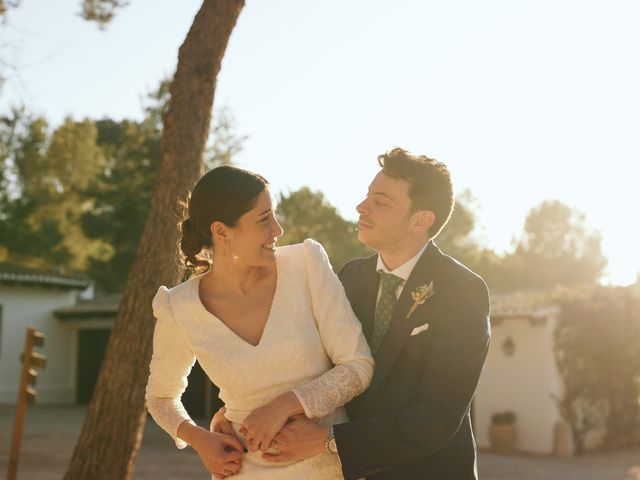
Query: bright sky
{"type": "Point", "coordinates": [525, 101]}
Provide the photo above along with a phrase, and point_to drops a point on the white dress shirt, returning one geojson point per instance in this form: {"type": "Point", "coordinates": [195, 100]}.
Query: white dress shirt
{"type": "Point", "coordinates": [403, 271]}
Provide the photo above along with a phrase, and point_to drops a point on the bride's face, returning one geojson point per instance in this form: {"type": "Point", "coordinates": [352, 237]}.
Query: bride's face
{"type": "Point", "coordinates": [252, 242]}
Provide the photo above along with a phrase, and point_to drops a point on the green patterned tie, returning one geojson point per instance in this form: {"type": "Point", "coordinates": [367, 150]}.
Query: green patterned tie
{"type": "Point", "coordinates": [389, 283]}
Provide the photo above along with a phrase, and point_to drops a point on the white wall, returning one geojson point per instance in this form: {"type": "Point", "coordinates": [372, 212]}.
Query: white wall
{"type": "Point", "coordinates": [527, 383]}
{"type": "Point", "coordinates": [23, 306]}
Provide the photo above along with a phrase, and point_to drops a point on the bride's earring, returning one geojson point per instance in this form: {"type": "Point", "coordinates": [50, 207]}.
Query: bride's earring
{"type": "Point", "coordinates": [228, 251]}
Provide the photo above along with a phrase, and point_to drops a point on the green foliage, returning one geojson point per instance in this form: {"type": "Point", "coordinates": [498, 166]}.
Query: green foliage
{"type": "Point", "coordinates": [101, 11]}
{"type": "Point", "coordinates": [120, 197]}
{"type": "Point", "coordinates": [56, 181]}
{"type": "Point", "coordinates": [226, 142]}
{"type": "Point", "coordinates": [78, 197]}
{"type": "Point", "coordinates": [6, 4]}
{"type": "Point", "coordinates": [29, 158]}
{"type": "Point", "coordinates": [456, 237]}
{"type": "Point", "coordinates": [598, 353]}
{"type": "Point", "coordinates": [307, 214]}
{"type": "Point", "coordinates": [156, 105]}
{"type": "Point", "coordinates": [10, 138]}
{"type": "Point", "coordinates": [503, 418]}
{"type": "Point", "coordinates": [460, 240]}
{"type": "Point", "coordinates": [26, 233]}
{"type": "Point", "coordinates": [29, 243]}
{"type": "Point", "coordinates": [72, 160]}
{"type": "Point", "coordinates": [556, 248]}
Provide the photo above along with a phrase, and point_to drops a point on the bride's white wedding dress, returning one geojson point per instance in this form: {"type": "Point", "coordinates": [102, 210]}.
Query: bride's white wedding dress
{"type": "Point", "coordinates": [312, 343]}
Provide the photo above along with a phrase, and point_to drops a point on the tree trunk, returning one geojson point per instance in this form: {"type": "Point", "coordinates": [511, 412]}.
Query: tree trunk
{"type": "Point", "coordinates": [114, 422]}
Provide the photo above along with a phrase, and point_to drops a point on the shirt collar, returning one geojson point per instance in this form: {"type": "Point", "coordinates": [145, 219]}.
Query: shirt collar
{"type": "Point", "coordinates": [404, 270]}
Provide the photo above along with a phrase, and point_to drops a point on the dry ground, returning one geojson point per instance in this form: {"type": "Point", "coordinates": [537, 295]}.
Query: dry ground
{"type": "Point", "coordinates": [51, 432]}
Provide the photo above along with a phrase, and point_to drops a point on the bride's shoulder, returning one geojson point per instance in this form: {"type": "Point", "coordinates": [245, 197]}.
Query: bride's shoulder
{"type": "Point", "coordinates": [307, 248]}
{"type": "Point", "coordinates": [309, 253]}
{"type": "Point", "coordinates": [165, 296]}
{"type": "Point", "coordinates": [181, 288]}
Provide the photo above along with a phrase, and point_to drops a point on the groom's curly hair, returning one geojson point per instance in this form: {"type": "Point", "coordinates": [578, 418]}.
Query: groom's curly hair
{"type": "Point", "coordinates": [429, 181]}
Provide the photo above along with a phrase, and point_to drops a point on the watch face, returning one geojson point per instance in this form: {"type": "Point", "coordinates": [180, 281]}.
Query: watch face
{"type": "Point", "coordinates": [333, 448]}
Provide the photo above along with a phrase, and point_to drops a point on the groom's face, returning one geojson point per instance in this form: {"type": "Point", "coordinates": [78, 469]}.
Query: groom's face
{"type": "Point", "coordinates": [385, 213]}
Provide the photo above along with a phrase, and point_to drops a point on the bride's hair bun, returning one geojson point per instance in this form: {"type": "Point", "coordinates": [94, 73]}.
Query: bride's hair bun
{"type": "Point", "coordinates": [191, 244]}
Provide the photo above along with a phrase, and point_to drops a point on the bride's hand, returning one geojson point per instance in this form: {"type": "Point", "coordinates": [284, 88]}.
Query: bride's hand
{"type": "Point", "coordinates": [264, 423]}
{"type": "Point", "coordinates": [221, 454]}
{"type": "Point", "coordinates": [220, 424]}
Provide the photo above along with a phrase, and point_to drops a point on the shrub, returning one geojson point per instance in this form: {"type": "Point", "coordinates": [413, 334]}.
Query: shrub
{"type": "Point", "coordinates": [503, 418]}
{"type": "Point", "coordinates": [597, 345]}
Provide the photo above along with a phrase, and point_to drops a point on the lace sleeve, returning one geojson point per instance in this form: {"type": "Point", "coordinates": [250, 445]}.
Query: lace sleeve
{"type": "Point", "coordinates": [341, 335]}
{"type": "Point", "coordinates": [170, 366]}
{"type": "Point", "coordinates": [329, 391]}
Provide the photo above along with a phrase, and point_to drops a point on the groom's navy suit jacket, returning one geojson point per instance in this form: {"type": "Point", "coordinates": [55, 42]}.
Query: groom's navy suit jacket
{"type": "Point", "coordinates": [413, 422]}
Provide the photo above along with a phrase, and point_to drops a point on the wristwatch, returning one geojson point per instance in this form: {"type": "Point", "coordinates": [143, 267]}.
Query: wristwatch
{"type": "Point", "coordinates": [330, 443]}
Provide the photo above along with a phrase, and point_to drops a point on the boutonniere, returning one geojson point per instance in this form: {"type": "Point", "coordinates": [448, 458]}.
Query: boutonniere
{"type": "Point", "coordinates": [420, 296]}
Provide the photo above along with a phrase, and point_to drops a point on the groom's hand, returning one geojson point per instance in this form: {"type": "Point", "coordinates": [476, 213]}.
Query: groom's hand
{"type": "Point", "coordinates": [299, 439]}
{"type": "Point", "coordinates": [220, 424]}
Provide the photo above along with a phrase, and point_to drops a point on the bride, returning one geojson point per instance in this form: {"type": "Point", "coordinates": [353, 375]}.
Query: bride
{"type": "Point", "coordinates": [271, 327]}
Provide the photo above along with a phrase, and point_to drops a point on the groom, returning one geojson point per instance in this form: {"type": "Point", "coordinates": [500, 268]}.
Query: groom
{"type": "Point", "coordinates": [426, 319]}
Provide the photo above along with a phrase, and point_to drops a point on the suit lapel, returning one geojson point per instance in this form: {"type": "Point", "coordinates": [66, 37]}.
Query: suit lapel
{"type": "Point", "coordinates": [400, 327]}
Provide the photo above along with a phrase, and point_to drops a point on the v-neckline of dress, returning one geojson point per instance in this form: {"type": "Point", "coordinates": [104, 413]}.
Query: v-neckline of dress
{"type": "Point", "coordinates": [207, 313]}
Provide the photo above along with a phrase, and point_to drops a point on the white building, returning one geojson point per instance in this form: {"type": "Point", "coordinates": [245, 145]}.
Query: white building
{"type": "Point", "coordinates": [77, 329]}
{"type": "Point", "coordinates": [29, 297]}
{"type": "Point", "coordinates": [520, 374]}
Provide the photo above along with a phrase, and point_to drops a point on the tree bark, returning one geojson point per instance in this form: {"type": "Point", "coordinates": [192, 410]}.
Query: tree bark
{"type": "Point", "coordinates": [114, 422]}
